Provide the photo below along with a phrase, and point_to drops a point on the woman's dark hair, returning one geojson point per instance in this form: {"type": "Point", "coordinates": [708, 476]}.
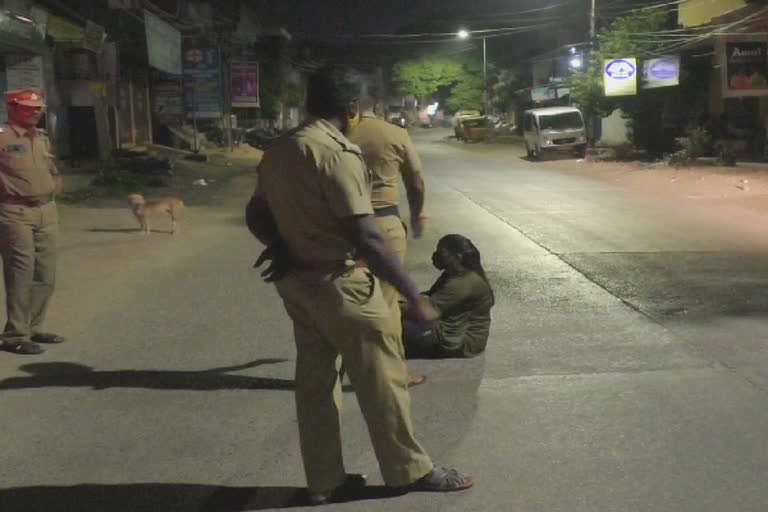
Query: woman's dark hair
{"type": "Point", "coordinates": [466, 251]}
{"type": "Point", "coordinates": [330, 90]}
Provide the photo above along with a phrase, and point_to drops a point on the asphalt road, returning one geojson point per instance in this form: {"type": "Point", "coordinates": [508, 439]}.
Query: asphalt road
{"type": "Point", "coordinates": [627, 367]}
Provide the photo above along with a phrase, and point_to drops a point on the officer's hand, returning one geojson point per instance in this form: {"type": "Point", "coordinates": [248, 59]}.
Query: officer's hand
{"type": "Point", "coordinates": [417, 225]}
{"type": "Point", "coordinates": [280, 262]}
{"type": "Point", "coordinates": [422, 314]}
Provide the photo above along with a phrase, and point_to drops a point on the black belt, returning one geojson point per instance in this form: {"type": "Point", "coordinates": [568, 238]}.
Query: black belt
{"type": "Point", "coordinates": [31, 201]}
{"type": "Point", "coordinates": [386, 211]}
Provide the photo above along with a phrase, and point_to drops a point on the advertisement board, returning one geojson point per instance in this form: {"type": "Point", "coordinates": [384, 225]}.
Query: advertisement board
{"type": "Point", "coordinates": [744, 67]}
{"type": "Point", "coordinates": [202, 82]}
{"type": "Point", "coordinates": [163, 44]}
{"type": "Point", "coordinates": [620, 77]}
{"type": "Point", "coordinates": [245, 83]}
{"type": "Point", "coordinates": [661, 72]}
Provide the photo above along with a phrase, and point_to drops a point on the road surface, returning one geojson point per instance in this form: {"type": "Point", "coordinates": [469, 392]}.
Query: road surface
{"type": "Point", "coordinates": [626, 370]}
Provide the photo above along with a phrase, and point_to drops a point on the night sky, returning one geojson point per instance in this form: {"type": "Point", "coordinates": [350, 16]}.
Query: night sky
{"type": "Point", "coordinates": [339, 21]}
{"type": "Point", "coordinates": [333, 17]}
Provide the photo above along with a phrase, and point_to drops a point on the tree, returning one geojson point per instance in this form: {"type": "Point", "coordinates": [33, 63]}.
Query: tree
{"type": "Point", "coordinates": [503, 88]}
{"type": "Point", "coordinates": [425, 76]}
{"type": "Point", "coordinates": [467, 92]}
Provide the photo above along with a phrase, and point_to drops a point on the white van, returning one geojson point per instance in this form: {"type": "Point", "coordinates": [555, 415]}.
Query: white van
{"type": "Point", "coordinates": [554, 129]}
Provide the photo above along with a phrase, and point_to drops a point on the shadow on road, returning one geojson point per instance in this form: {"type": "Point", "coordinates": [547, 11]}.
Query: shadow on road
{"type": "Point", "coordinates": [161, 497]}
{"type": "Point", "coordinates": [63, 374]}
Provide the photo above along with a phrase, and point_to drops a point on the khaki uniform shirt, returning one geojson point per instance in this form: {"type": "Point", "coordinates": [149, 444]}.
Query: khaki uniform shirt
{"type": "Point", "coordinates": [27, 167]}
{"type": "Point", "coordinates": [388, 152]}
{"type": "Point", "coordinates": [464, 303]}
{"type": "Point", "coordinates": [311, 179]}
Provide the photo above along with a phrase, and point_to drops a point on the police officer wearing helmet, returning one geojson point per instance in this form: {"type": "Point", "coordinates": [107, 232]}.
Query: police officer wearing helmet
{"type": "Point", "coordinates": [29, 182]}
{"type": "Point", "coordinates": [312, 209]}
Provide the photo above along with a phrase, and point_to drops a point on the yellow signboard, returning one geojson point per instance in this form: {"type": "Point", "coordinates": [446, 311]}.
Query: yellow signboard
{"type": "Point", "coordinates": [620, 77]}
{"type": "Point", "coordinates": [61, 29]}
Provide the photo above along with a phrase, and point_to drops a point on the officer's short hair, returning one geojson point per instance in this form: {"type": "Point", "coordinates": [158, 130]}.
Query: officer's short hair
{"type": "Point", "coordinates": [330, 90]}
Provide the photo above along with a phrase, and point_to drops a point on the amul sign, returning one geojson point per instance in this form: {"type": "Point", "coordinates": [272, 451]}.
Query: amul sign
{"type": "Point", "coordinates": [744, 65]}
{"type": "Point", "coordinates": [620, 77]}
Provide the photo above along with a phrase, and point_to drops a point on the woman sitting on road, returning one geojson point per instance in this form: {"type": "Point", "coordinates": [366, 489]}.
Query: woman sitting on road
{"type": "Point", "coordinates": [463, 299]}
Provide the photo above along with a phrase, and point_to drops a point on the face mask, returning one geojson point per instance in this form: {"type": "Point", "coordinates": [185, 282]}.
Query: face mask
{"type": "Point", "coordinates": [437, 261]}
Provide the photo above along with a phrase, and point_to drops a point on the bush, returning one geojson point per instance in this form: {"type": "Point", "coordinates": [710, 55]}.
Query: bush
{"type": "Point", "coordinates": [696, 143]}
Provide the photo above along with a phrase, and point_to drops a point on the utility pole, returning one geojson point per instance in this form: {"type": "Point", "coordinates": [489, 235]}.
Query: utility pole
{"type": "Point", "coordinates": [592, 119]}
{"type": "Point", "coordinates": [485, 80]}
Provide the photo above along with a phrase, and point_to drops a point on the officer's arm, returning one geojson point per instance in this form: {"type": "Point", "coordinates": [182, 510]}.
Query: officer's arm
{"type": "Point", "coordinates": [374, 248]}
{"type": "Point", "coordinates": [58, 185]}
{"type": "Point", "coordinates": [414, 184]}
{"type": "Point", "coordinates": [261, 223]}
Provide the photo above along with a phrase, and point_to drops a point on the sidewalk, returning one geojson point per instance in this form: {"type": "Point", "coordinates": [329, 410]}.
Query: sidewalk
{"type": "Point", "coordinates": [196, 182]}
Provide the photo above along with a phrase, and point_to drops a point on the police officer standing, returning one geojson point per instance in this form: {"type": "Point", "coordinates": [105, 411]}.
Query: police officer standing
{"type": "Point", "coordinates": [390, 155]}
{"type": "Point", "coordinates": [29, 223]}
{"type": "Point", "coordinates": [312, 209]}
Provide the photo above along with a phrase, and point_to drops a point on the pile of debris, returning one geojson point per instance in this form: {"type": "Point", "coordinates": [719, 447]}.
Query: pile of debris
{"type": "Point", "coordinates": [139, 160]}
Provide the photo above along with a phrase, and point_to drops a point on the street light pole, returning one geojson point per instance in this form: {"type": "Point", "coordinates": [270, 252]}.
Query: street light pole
{"type": "Point", "coordinates": [464, 34]}
{"type": "Point", "coordinates": [485, 80]}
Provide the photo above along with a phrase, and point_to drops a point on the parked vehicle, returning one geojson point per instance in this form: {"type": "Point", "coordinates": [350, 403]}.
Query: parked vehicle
{"type": "Point", "coordinates": [396, 116]}
{"type": "Point", "coordinates": [554, 129]}
{"type": "Point", "coordinates": [460, 117]}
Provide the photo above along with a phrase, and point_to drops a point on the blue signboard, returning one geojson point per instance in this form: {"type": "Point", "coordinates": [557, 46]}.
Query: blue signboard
{"type": "Point", "coordinates": [202, 82]}
{"type": "Point", "coordinates": [661, 72]}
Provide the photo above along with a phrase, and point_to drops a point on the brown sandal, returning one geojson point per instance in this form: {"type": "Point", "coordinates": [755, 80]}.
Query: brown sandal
{"type": "Point", "coordinates": [442, 480]}
{"type": "Point", "coordinates": [47, 337]}
{"type": "Point", "coordinates": [22, 347]}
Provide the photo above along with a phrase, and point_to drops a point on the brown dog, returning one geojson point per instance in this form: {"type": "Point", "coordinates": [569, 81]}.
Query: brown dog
{"type": "Point", "coordinates": [143, 210]}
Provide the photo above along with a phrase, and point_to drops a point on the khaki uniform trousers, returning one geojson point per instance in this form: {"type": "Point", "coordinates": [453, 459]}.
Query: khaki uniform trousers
{"type": "Point", "coordinates": [394, 230]}
{"type": "Point", "coordinates": [28, 248]}
{"type": "Point", "coordinates": [345, 315]}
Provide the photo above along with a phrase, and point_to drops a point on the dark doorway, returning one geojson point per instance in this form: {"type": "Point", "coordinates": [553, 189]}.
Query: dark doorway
{"type": "Point", "coordinates": [83, 135]}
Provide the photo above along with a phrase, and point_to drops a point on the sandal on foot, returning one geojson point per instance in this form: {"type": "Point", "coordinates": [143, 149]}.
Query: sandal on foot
{"type": "Point", "coordinates": [22, 347]}
{"type": "Point", "coordinates": [442, 480]}
{"type": "Point", "coordinates": [47, 337]}
{"type": "Point", "coordinates": [414, 379]}
{"type": "Point", "coordinates": [353, 484]}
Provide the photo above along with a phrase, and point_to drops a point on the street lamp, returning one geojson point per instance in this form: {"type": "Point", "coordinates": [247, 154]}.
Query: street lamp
{"type": "Point", "coordinates": [464, 34]}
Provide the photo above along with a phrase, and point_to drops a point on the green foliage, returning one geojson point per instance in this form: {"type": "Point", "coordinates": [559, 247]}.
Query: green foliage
{"type": "Point", "coordinates": [502, 89]}
{"type": "Point", "coordinates": [696, 143]}
{"type": "Point", "coordinates": [291, 95]}
{"type": "Point", "coordinates": [424, 76]}
{"type": "Point", "coordinates": [467, 94]}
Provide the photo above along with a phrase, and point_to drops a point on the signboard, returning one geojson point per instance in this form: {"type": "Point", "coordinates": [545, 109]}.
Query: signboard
{"type": "Point", "coordinates": [744, 68]}
{"type": "Point", "coordinates": [163, 44]}
{"type": "Point", "coordinates": [620, 77]}
{"type": "Point", "coordinates": [661, 72]}
{"type": "Point", "coordinates": [245, 83]}
{"type": "Point", "coordinates": [202, 86]}
{"type": "Point", "coordinates": [167, 105]}
{"type": "Point", "coordinates": [23, 72]}
{"type": "Point", "coordinates": [63, 30]}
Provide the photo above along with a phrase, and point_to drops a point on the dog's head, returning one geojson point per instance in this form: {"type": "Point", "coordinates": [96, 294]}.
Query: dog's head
{"type": "Point", "coordinates": [135, 199]}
